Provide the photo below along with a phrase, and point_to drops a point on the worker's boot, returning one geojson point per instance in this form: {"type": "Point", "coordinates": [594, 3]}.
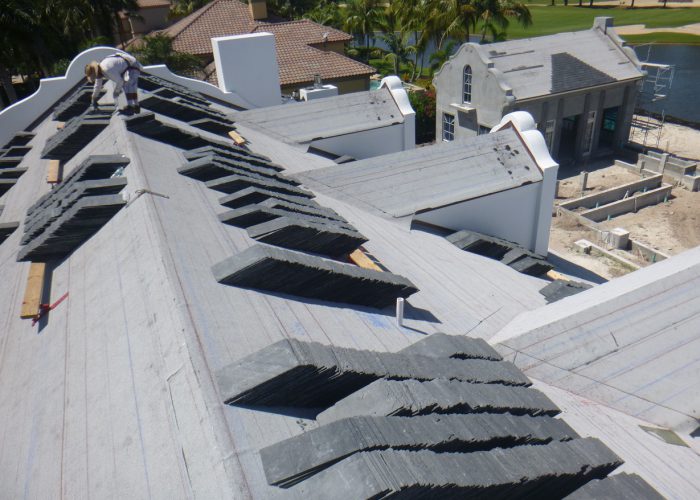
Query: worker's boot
{"type": "Point", "coordinates": [127, 111]}
{"type": "Point", "coordinates": [137, 109]}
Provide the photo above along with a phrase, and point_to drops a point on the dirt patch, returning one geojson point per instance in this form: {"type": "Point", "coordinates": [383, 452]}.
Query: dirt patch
{"type": "Point", "coordinates": [670, 227]}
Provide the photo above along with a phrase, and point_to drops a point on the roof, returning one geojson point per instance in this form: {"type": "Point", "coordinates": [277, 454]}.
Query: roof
{"type": "Point", "coordinates": [328, 117]}
{"type": "Point", "coordinates": [622, 342]}
{"type": "Point", "coordinates": [192, 34]}
{"type": "Point", "coordinates": [299, 61]}
{"type": "Point", "coordinates": [409, 182]}
{"type": "Point", "coordinates": [125, 386]}
{"type": "Point", "coordinates": [299, 44]}
{"type": "Point", "coordinates": [563, 62]}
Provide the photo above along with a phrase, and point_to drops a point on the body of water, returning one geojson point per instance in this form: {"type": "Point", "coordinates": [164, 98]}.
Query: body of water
{"type": "Point", "coordinates": [682, 98]}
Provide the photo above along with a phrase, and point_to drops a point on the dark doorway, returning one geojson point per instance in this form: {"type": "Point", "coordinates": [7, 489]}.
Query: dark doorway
{"type": "Point", "coordinates": [608, 126]}
{"type": "Point", "coordinates": [567, 143]}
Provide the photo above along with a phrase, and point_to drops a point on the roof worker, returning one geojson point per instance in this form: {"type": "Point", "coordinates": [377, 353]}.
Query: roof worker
{"type": "Point", "coordinates": [123, 69]}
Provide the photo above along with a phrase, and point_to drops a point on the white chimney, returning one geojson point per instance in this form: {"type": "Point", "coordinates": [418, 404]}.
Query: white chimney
{"type": "Point", "coordinates": [247, 65]}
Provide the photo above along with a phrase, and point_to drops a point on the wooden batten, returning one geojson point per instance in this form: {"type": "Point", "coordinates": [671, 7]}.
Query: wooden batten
{"type": "Point", "coordinates": [34, 290]}
{"type": "Point", "coordinates": [237, 138]}
{"type": "Point", "coordinates": [360, 259]}
{"type": "Point", "coordinates": [55, 172]}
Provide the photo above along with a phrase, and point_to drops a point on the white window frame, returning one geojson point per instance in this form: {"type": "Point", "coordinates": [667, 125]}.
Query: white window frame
{"type": "Point", "coordinates": [467, 84]}
{"type": "Point", "coordinates": [448, 127]}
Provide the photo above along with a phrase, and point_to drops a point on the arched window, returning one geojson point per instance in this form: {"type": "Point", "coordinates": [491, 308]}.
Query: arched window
{"type": "Point", "coordinates": [467, 84]}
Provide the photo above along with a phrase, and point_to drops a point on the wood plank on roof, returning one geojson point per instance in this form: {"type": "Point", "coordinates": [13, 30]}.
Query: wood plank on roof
{"type": "Point", "coordinates": [34, 290]}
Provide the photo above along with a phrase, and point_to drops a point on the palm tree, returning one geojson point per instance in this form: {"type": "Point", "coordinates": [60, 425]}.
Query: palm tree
{"type": "Point", "coordinates": [492, 16]}
{"type": "Point", "coordinates": [362, 17]}
{"type": "Point", "coordinates": [158, 49]}
{"type": "Point", "coordinates": [395, 37]}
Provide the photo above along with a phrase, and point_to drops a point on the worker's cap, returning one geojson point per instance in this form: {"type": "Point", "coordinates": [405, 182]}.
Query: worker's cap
{"type": "Point", "coordinates": [91, 71]}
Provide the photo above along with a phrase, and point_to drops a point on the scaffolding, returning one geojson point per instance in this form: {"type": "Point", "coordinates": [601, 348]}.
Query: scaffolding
{"type": "Point", "coordinates": [647, 126]}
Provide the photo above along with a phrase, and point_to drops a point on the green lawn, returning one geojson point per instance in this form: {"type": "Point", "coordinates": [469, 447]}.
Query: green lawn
{"type": "Point", "coordinates": [548, 20]}
{"type": "Point", "coordinates": [679, 38]}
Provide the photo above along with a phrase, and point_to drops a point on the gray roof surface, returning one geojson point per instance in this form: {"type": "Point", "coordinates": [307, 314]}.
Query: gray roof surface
{"type": "Point", "coordinates": [622, 343]}
{"type": "Point", "coordinates": [404, 183]}
{"type": "Point", "coordinates": [117, 396]}
{"type": "Point", "coordinates": [113, 394]}
{"type": "Point", "coordinates": [327, 117]}
{"type": "Point", "coordinates": [536, 66]}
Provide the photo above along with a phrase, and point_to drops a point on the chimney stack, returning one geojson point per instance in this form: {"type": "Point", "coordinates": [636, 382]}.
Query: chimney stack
{"type": "Point", "coordinates": [258, 9]}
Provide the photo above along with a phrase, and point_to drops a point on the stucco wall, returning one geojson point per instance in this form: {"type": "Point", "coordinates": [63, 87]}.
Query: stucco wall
{"type": "Point", "coordinates": [345, 85]}
{"type": "Point", "coordinates": [489, 97]}
{"type": "Point", "coordinates": [366, 144]}
{"type": "Point", "coordinates": [510, 215]}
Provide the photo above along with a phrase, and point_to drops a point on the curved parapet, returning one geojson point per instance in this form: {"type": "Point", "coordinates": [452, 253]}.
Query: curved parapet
{"type": "Point", "coordinates": [395, 86]}
{"type": "Point", "coordinates": [533, 140]}
{"type": "Point", "coordinates": [22, 114]}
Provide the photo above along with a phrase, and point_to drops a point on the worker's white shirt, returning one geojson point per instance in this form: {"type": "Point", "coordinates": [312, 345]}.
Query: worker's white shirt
{"type": "Point", "coordinates": [115, 68]}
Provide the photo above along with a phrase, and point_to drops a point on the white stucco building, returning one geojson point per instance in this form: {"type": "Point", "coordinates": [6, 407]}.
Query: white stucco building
{"type": "Point", "coordinates": [580, 87]}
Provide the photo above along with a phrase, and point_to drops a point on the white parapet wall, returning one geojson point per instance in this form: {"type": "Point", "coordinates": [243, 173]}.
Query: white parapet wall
{"type": "Point", "coordinates": [393, 83]}
{"type": "Point", "coordinates": [22, 114]}
{"type": "Point", "coordinates": [247, 65]}
{"type": "Point", "coordinates": [523, 214]}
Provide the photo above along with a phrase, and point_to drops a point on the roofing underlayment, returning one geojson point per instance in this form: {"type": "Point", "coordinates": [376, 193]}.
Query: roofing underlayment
{"type": "Point", "coordinates": [631, 343]}
{"type": "Point", "coordinates": [404, 183]}
{"type": "Point", "coordinates": [563, 62]}
{"type": "Point", "coordinates": [322, 118]}
{"type": "Point", "coordinates": [194, 340]}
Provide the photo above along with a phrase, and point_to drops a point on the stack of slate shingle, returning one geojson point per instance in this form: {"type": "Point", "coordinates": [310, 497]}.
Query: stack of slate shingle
{"type": "Point", "coordinates": [146, 124]}
{"type": "Point", "coordinates": [76, 134]}
{"type": "Point", "coordinates": [178, 102]}
{"type": "Point", "coordinates": [275, 210]}
{"type": "Point", "coordinates": [75, 104]}
{"type": "Point", "coordinates": [6, 228]}
{"type": "Point", "coordinates": [486, 436]}
{"type": "Point", "coordinates": [11, 155]}
{"type": "Point", "coordinates": [67, 216]}
{"type": "Point", "coordinates": [511, 254]}
{"type": "Point", "coordinates": [559, 289]}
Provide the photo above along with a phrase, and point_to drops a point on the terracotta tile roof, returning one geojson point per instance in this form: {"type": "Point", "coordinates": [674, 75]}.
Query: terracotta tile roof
{"type": "Point", "coordinates": [192, 34]}
{"type": "Point", "coordinates": [299, 44]}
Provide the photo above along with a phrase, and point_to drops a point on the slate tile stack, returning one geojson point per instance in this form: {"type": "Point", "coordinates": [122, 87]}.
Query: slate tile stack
{"type": "Point", "coordinates": [146, 124]}
{"type": "Point", "coordinates": [620, 487]}
{"type": "Point", "coordinates": [74, 210]}
{"type": "Point", "coordinates": [77, 103]}
{"type": "Point", "coordinates": [11, 155]}
{"type": "Point", "coordinates": [510, 254]}
{"type": "Point", "coordinates": [293, 460]}
{"type": "Point", "coordinates": [559, 289]}
{"type": "Point", "coordinates": [76, 134]}
{"type": "Point", "coordinates": [275, 210]}
{"type": "Point", "coordinates": [424, 428]}
{"type": "Point", "coordinates": [313, 375]}
{"type": "Point", "coordinates": [6, 228]}
{"type": "Point", "coordinates": [180, 103]}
